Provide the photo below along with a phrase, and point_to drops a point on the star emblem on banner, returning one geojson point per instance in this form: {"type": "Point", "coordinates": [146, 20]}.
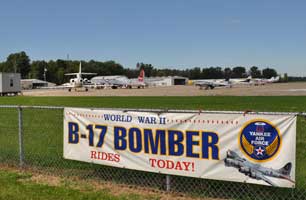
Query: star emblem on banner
{"type": "Point", "coordinates": [259, 151]}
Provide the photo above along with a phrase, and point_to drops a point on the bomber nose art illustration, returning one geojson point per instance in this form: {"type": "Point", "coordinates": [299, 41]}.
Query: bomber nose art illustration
{"type": "Point", "coordinates": [257, 171]}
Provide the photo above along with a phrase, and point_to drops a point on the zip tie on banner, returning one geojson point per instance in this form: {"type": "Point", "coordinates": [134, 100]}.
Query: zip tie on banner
{"type": "Point", "coordinates": [200, 111]}
{"type": "Point", "coordinates": [246, 112]}
{"type": "Point", "coordinates": [162, 111]}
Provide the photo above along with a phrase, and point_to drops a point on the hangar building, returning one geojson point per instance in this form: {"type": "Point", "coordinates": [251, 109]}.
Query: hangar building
{"type": "Point", "coordinates": [28, 84]}
{"type": "Point", "coordinates": [166, 81]}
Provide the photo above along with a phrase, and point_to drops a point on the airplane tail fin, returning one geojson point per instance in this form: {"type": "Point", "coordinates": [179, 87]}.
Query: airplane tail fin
{"type": "Point", "coordinates": [141, 76]}
{"type": "Point", "coordinates": [286, 169]}
{"type": "Point", "coordinates": [249, 78]}
{"type": "Point", "coordinates": [80, 68]}
{"type": "Point", "coordinates": [276, 79]}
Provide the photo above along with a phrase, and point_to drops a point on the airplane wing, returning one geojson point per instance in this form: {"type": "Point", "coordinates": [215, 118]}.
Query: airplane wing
{"type": "Point", "coordinates": [262, 177]}
{"type": "Point", "coordinates": [88, 73]}
{"type": "Point", "coordinates": [57, 87]}
{"type": "Point", "coordinates": [71, 74]}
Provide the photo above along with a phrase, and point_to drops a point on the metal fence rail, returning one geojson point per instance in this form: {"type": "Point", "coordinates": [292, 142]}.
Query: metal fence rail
{"type": "Point", "coordinates": [31, 138]}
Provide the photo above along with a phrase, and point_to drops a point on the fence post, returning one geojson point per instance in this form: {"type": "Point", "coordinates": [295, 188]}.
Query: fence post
{"type": "Point", "coordinates": [168, 183]}
{"type": "Point", "coordinates": [20, 138]}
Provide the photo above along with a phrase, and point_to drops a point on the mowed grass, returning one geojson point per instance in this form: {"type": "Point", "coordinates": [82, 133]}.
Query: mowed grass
{"type": "Point", "coordinates": [19, 186]}
{"type": "Point", "coordinates": [43, 130]}
{"type": "Point", "coordinates": [282, 103]}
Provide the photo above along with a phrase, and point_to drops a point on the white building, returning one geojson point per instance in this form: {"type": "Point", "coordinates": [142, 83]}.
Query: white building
{"type": "Point", "coordinates": [166, 81]}
{"type": "Point", "coordinates": [9, 83]}
{"type": "Point", "coordinates": [28, 84]}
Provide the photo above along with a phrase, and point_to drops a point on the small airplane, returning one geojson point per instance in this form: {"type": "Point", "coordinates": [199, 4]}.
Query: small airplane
{"type": "Point", "coordinates": [229, 83]}
{"type": "Point", "coordinates": [75, 83]}
{"type": "Point", "coordinates": [78, 82]}
{"type": "Point", "coordinates": [211, 84]}
{"type": "Point", "coordinates": [257, 171]}
{"type": "Point", "coordinates": [119, 81]}
{"type": "Point", "coordinates": [240, 81]}
{"type": "Point", "coordinates": [265, 81]}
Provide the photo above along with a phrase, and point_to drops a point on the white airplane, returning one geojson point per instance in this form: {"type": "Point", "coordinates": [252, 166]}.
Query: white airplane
{"type": "Point", "coordinates": [259, 81]}
{"type": "Point", "coordinates": [213, 83]}
{"type": "Point", "coordinates": [238, 81]}
{"type": "Point", "coordinates": [75, 83]}
{"type": "Point", "coordinates": [119, 81]}
{"type": "Point", "coordinates": [78, 82]}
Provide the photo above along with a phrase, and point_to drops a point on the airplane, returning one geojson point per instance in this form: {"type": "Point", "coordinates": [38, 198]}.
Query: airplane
{"type": "Point", "coordinates": [78, 82]}
{"type": "Point", "coordinates": [205, 84]}
{"type": "Point", "coordinates": [119, 81]}
{"type": "Point", "coordinates": [238, 81]}
{"type": "Point", "coordinates": [213, 83]}
{"type": "Point", "coordinates": [75, 83]}
{"type": "Point", "coordinates": [256, 171]}
{"type": "Point", "coordinates": [265, 81]}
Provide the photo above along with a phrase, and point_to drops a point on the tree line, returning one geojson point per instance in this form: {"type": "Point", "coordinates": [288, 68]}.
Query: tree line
{"type": "Point", "coordinates": [55, 70]}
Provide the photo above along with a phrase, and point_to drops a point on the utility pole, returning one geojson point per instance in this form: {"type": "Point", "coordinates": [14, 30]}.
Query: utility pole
{"type": "Point", "coordinates": [45, 76]}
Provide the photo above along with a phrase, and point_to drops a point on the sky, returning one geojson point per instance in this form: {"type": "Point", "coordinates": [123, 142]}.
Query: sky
{"type": "Point", "coordinates": [165, 33]}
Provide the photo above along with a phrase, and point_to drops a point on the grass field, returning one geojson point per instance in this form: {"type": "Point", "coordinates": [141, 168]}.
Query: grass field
{"type": "Point", "coordinates": [295, 104]}
{"type": "Point", "coordinates": [43, 130]}
{"type": "Point", "coordinates": [20, 186]}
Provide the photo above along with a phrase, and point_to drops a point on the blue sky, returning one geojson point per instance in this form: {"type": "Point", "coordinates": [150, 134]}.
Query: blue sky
{"type": "Point", "coordinates": [165, 33]}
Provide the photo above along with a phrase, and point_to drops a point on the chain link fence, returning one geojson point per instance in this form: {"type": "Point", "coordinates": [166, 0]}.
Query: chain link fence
{"type": "Point", "coordinates": [31, 137]}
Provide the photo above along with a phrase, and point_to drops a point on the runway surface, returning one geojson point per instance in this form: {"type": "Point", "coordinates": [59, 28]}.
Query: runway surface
{"type": "Point", "coordinates": [276, 89]}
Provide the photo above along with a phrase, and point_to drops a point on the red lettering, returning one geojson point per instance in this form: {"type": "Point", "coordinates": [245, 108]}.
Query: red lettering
{"type": "Point", "coordinates": [170, 164]}
{"type": "Point", "coordinates": [186, 165]}
{"type": "Point", "coordinates": [110, 157]}
{"type": "Point", "coordinates": [97, 155]}
{"type": "Point", "coordinates": [93, 154]}
{"type": "Point", "coordinates": [152, 162]}
{"type": "Point", "coordinates": [178, 166]}
{"type": "Point", "coordinates": [161, 163]}
{"type": "Point", "coordinates": [117, 158]}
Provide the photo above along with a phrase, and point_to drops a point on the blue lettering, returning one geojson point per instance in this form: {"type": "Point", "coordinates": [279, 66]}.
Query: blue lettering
{"type": "Point", "coordinates": [176, 148]}
{"type": "Point", "coordinates": [156, 143]}
{"type": "Point", "coordinates": [135, 134]}
{"type": "Point", "coordinates": [73, 133]}
{"type": "Point", "coordinates": [190, 143]}
{"type": "Point", "coordinates": [119, 138]}
{"type": "Point", "coordinates": [210, 142]}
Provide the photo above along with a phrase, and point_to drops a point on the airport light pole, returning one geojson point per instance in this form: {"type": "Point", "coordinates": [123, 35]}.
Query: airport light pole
{"type": "Point", "coordinates": [45, 76]}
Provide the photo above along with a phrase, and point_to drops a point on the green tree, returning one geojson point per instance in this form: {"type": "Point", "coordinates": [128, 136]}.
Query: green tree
{"type": "Point", "coordinates": [18, 62]}
{"type": "Point", "coordinates": [285, 78]}
{"type": "Point", "coordinates": [269, 73]}
{"type": "Point", "coordinates": [239, 72]}
{"type": "Point", "coordinates": [255, 72]}
{"type": "Point", "coordinates": [195, 73]}
{"type": "Point", "coordinates": [148, 68]}
{"type": "Point", "coordinates": [37, 69]}
{"type": "Point", "coordinates": [227, 73]}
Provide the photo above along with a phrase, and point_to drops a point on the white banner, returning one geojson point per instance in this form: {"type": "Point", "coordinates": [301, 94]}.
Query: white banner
{"type": "Point", "coordinates": [232, 147]}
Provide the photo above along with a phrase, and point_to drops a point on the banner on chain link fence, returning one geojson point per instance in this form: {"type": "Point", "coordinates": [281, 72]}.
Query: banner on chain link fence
{"type": "Point", "coordinates": [248, 148]}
